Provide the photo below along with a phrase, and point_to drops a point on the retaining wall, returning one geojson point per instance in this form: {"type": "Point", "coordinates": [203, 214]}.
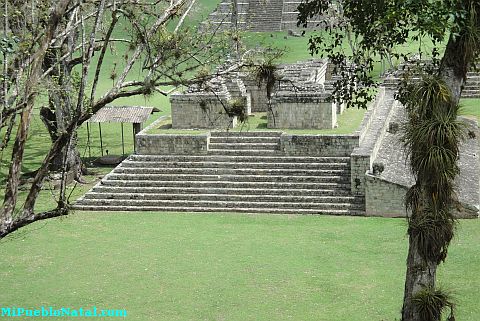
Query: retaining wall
{"type": "Point", "coordinates": [316, 145]}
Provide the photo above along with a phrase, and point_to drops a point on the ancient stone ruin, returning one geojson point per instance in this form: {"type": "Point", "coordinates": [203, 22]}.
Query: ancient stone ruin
{"type": "Point", "coordinates": [274, 171]}
{"type": "Point", "coordinates": [259, 15]}
{"type": "Point", "coordinates": [300, 100]}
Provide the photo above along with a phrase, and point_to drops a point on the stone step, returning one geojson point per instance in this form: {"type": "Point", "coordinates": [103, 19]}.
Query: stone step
{"type": "Point", "coordinates": [243, 139]}
{"type": "Point", "coordinates": [246, 134]}
{"type": "Point", "coordinates": [227, 178]}
{"type": "Point", "coordinates": [238, 159]}
{"type": "Point", "coordinates": [231, 171]}
{"type": "Point", "coordinates": [220, 191]}
{"type": "Point", "coordinates": [470, 91]}
{"type": "Point", "coordinates": [240, 152]}
{"type": "Point", "coordinates": [234, 165]}
{"type": "Point", "coordinates": [220, 204]}
{"type": "Point", "coordinates": [227, 184]}
{"type": "Point", "coordinates": [244, 146]}
{"type": "Point", "coordinates": [350, 212]}
{"type": "Point", "coordinates": [226, 198]}
{"type": "Point", "coordinates": [472, 95]}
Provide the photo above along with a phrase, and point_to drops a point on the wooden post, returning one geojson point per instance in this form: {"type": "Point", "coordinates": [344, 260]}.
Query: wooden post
{"type": "Point", "coordinates": [88, 141]}
{"type": "Point", "coordinates": [137, 127]}
{"type": "Point", "coordinates": [123, 141]}
{"type": "Point", "coordinates": [101, 139]}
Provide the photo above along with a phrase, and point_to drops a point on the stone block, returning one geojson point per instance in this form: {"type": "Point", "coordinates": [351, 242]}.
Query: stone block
{"type": "Point", "coordinates": [200, 110]}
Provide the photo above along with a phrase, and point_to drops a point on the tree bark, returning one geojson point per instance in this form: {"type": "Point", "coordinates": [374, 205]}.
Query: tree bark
{"type": "Point", "coordinates": [11, 189]}
{"type": "Point", "coordinates": [60, 111]}
{"type": "Point", "coordinates": [420, 274]}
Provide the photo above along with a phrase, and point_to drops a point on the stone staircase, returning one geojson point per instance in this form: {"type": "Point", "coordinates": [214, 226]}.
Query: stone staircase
{"type": "Point", "coordinates": [472, 86]}
{"type": "Point", "coordinates": [265, 15]}
{"type": "Point", "coordinates": [471, 89]}
{"type": "Point", "coordinates": [242, 172]}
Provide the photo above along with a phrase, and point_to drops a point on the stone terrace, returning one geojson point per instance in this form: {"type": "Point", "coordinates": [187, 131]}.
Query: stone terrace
{"type": "Point", "coordinates": [252, 172]}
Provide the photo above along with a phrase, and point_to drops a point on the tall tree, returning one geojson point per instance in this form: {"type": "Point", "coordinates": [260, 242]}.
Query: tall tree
{"type": "Point", "coordinates": [432, 135]}
{"type": "Point", "coordinates": [43, 50]}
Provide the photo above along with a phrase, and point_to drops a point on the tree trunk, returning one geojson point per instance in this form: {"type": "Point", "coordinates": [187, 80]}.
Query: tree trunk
{"type": "Point", "coordinates": [11, 189]}
{"type": "Point", "coordinates": [455, 63]}
{"type": "Point", "coordinates": [420, 274]}
{"type": "Point", "coordinates": [61, 109]}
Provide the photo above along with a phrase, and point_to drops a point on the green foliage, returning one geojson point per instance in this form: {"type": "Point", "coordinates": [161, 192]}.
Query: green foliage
{"type": "Point", "coordinates": [432, 232]}
{"type": "Point", "coordinates": [362, 33]}
{"type": "Point", "coordinates": [432, 137]}
{"type": "Point", "coordinates": [266, 73]}
{"type": "Point", "coordinates": [238, 107]}
{"type": "Point", "coordinates": [431, 303]}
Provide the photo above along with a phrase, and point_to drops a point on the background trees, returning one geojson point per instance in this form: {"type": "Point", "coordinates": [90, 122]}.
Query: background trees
{"type": "Point", "coordinates": [432, 134]}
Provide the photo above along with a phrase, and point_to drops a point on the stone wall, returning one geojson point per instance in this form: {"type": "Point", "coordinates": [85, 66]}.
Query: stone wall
{"type": "Point", "coordinates": [200, 110]}
{"type": "Point", "coordinates": [316, 145]}
{"type": "Point", "coordinates": [258, 95]}
{"type": "Point", "coordinates": [302, 111]}
{"type": "Point", "coordinates": [387, 199]}
{"type": "Point", "coordinates": [371, 131]}
{"type": "Point", "coordinates": [259, 15]}
{"type": "Point", "coordinates": [172, 144]}
{"type": "Point", "coordinates": [384, 198]}
{"type": "Point", "coordinates": [359, 164]}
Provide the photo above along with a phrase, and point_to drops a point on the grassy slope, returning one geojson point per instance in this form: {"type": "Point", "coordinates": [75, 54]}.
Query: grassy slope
{"type": "Point", "coordinates": [226, 266]}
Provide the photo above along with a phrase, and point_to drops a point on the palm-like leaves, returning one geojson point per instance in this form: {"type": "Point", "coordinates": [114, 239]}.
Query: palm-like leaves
{"type": "Point", "coordinates": [432, 137]}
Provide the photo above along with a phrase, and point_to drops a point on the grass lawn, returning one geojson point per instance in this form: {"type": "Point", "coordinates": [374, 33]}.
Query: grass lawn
{"type": "Point", "coordinates": [470, 107]}
{"type": "Point", "coordinates": [170, 266]}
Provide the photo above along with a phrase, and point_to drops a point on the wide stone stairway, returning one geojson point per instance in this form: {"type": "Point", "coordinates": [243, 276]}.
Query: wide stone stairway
{"type": "Point", "coordinates": [242, 172]}
{"type": "Point", "coordinates": [265, 15]}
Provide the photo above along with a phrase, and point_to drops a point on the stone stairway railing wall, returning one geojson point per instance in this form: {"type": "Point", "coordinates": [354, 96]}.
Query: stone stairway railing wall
{"type": "Point", "coordinates": [385, 190]}
{"type": "Point", "coordinates": [372, 130]}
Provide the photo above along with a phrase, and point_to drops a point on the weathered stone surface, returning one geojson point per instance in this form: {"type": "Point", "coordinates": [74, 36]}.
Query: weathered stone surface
{"type": "Point", "coordinates": [393, 155]}
{"type": "Point", "coordinates": [198, 110]}
{"type": "Point", "coordinates": [172, 144]}
{"type": "Point", "coordinates": [306, 113]}
{"type": "Point", "coordinates": [259, 15]}
{"type": "Point", "coordinates": [326, 145]}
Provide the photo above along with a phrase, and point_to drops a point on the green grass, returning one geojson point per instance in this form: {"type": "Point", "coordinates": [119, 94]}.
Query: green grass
{"type": "Point", "coordinates": [470, 107]}
{"type": "Point", "coordinates": [169, 266]}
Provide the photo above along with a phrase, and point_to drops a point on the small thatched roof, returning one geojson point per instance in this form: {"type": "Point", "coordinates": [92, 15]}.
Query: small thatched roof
{"type": "Point", "coordinates": [122, 114]}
